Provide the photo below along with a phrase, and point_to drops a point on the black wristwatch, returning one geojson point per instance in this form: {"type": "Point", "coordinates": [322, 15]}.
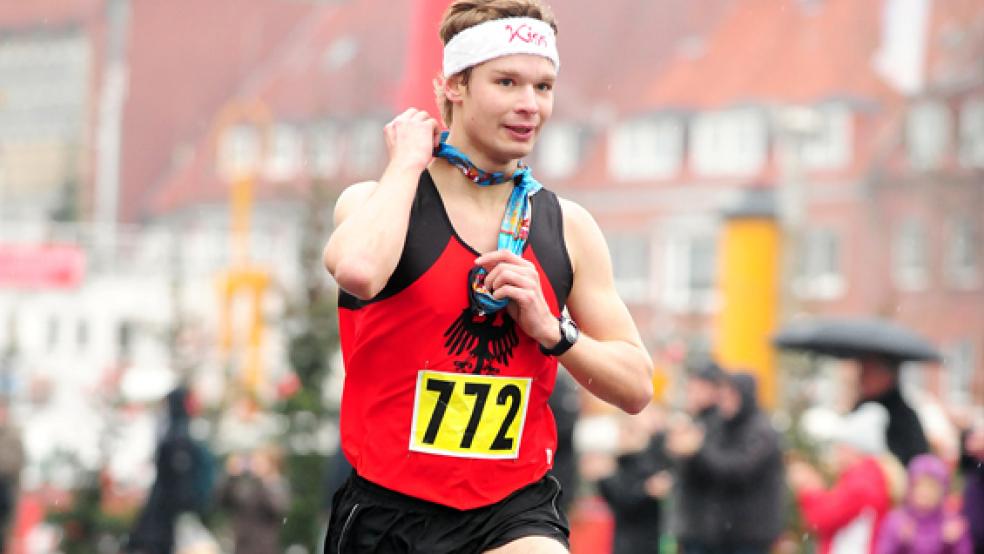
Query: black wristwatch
{"type": "Point", "coordinates": [568, 336]}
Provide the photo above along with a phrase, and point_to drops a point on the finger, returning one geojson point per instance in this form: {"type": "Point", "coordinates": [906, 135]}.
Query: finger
{"type": "Point", "coordinates": [405, 115]}
{"type": "Point", "coordinates": [521, 296]}
{"type": "Point", "coordinates": [420, 115]}
{"type": "Point", "coordinates": [509, 276]}
{"type": "Point", "coordinates": [490, 259]}
{"type": "Point", "coordinates": [495, 273]}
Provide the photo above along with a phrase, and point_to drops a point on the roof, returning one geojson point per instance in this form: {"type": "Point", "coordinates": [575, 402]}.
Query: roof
{"type": "Point", "coordinates": [185, 59]}
{"type": "Point", "coordinates": [344, 61]}
{"type": "Point", "coordinates": [786, 51]}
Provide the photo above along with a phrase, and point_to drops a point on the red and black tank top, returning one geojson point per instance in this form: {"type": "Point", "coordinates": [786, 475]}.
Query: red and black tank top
{"type": "Point", "coordinates": [440, 403]}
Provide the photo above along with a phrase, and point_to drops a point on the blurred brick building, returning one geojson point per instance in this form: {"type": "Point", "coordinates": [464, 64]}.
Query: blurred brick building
{"type": "Point", "coordinates": [860, 123]}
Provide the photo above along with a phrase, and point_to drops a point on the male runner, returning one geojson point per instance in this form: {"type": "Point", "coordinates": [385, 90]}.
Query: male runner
{"type": "Point", "coordinates": [455, 268]}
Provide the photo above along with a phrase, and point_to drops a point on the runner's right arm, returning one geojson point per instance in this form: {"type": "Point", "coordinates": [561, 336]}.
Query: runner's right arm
{"type": "Point", "coordinates": [371, 218]}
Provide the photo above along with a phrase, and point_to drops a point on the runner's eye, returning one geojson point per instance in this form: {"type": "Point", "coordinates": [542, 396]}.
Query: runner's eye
{"type": "Point", "coordinates": [506, 82]}
{"type": "Point", "coordinates": [545, 87]}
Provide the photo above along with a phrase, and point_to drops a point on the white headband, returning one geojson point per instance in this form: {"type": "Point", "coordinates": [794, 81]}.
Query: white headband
{"type": "Point", "coordinates": [497, 38]}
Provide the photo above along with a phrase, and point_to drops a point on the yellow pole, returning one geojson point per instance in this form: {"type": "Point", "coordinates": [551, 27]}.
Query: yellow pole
{"type": "Point", "coordinates": [749, 293]}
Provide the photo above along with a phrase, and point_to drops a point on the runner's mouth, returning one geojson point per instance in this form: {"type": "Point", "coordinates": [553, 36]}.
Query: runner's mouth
{"type": "Point", "coordinates": [520, 130]}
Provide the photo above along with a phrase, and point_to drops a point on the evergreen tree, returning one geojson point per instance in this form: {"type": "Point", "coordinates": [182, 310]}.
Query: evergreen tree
{"type": "Point", "coordinates": [314, 340]}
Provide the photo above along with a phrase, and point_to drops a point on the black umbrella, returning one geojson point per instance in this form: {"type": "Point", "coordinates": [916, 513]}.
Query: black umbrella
{"type": "Point", "coordinates": [856, 338]}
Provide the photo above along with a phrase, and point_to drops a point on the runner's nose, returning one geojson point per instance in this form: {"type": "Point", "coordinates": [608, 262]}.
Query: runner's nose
{"type": "Point", "coordinates": [527, 101]}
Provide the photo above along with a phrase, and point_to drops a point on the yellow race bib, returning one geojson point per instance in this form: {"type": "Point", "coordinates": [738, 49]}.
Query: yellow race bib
{"type": "Point", "coordinates": [469, 416]}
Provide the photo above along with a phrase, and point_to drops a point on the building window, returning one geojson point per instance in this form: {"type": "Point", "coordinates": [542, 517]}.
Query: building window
{"type": "Point", "coordinates": [646, 148]}
{"type": "Point", "coordinates": [324, 150]}
{"type": "Point", "coordinates": [366, 147]}
{"type": "Point", "coordinates": [240, 148]}
{"type": "Point", "coordinates": [631, 265]}
{"type": "Point", "coordinates": [284, 153]}
{"type": "Point", "coordinates": [927, 131]}
{"type": "Point", "coordinates": [558, 150]}
{"type": "Point", "coordinates": [829, 145]}
{"type": "Point", "coordinates": [910, 267]}
{"type": "Point", "coordinates": [962, 250]}
{"type": "Point", "coordinates": [689, 273]}
{"type": "Point", "coordinates": [972, 133]}
{"type": "Point", "coordinates": [959, 362]}
{"type": "Point", "coordinates": [819, 274]}
{"type": "Point", "coordinates": [732, 143]}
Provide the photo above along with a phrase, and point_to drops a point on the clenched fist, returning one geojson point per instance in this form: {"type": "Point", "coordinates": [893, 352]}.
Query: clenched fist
{"type": "Point", "coordinates": [411, 138]}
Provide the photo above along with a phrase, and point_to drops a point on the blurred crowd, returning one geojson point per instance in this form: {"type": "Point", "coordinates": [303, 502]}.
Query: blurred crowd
{"type": "Point", "coordinates": [712, 476]}
{"type": "Point", "coordinates": [716, 477]}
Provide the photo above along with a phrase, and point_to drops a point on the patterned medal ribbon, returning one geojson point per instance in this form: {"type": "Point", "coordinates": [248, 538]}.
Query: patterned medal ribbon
{"type": "Point", "coordinates": [515, 227]}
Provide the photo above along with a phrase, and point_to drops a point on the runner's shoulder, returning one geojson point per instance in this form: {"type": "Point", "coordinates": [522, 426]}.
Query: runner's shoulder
{"type": "Point", "coordinates": [577, 219]}
{"type": "Point", "coordinates": [352, 197]}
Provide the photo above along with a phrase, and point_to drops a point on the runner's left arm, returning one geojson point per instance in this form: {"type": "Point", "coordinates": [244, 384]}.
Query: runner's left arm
{"type": "Point", "coordinates": [609, 358]}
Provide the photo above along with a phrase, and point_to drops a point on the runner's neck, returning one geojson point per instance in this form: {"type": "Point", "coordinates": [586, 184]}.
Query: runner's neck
{"type": "Point", "coordinates": [456, 188]}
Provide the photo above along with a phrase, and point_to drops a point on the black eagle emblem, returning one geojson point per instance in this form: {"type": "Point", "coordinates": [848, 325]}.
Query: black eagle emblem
{"type": "Point", "coordinates": [488, 339]}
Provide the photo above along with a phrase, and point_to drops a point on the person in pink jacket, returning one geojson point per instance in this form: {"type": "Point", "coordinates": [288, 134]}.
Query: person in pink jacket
{"type": "Point", "coordinates": [846, 517]}
{"type": "Point", "coordinates": [923, 525]}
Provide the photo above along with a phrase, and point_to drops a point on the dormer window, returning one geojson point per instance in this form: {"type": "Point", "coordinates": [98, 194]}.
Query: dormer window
{"type": "Point", "coordinates": [830, 144]}
{"type": "Point", "coordinates": [558, 150]}
{"type": "Point", "coordinates": [646, 148]}
{"type": "Point", "coordinates": [927, 132]}
{"type": "Point", "coordinates": [972, 133]}
{"type": "Point", "coordinates": [730, 143]}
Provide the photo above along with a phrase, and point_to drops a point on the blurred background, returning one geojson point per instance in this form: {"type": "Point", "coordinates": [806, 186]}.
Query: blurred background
{"type": "Point", "coordinates": [168, 170]}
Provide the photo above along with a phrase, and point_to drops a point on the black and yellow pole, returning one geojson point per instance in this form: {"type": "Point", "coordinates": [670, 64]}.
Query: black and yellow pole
{"type": "Point", "coordinates": [749, 290]}
{"type": "Point", "coordinates": [243, 279]}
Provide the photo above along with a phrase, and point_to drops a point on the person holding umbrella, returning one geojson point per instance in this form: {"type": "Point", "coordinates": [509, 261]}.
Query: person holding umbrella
{"type": "Point", "coordinates": [879, 382]}
{"type": "Point", "coordinates": [880, 347]}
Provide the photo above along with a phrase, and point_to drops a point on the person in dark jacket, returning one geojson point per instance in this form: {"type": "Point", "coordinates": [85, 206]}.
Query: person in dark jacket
{"type": "Point", "coordinates": [179, 485]}
{"type": "Point", "coordinates": [691, 489]}
{"type": "Point", "coordinates": [634, 492]}
{"type": "Point", "coordinates": [565, 403]}
{"type": "Point", "coordinates": [879, 382]}
{"type": "Point", "coordinates": [257, 497]}
{"type": "Point", "coordinates": [11, 464]}
{"type": "Point", "coordinates": [741, 460]}
{"type": "Point", "coordinates": [972, 468]}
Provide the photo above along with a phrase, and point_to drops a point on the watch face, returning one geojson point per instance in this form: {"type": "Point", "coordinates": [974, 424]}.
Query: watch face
{"type": "Point", "coordinates": [569, 330]}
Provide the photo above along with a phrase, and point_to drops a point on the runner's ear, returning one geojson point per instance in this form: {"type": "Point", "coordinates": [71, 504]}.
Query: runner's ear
{"type": "Point", "coordinates": [454, 88]}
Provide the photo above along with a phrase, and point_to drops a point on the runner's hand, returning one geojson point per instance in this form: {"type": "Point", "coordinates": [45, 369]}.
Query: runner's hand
{"type": "Point", "coordinates": [411, 138]}
{"type": "Point", "coordinates": [517, 279]}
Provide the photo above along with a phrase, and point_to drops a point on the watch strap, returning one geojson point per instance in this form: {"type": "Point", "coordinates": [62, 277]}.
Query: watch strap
{"type": "Point", "coordinates": [564, 344]}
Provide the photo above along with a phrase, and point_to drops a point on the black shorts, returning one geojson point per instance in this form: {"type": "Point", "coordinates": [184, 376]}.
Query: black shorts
{"type": "Point", "coordinates": [366, 518]}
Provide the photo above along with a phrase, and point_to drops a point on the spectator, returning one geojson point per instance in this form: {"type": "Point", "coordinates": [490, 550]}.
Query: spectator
{"type": "Point", "coordinates": [256, 496]}
{"type": "Point", "coordinates": [183, 482]}
{"type": "Point", "coordinates": [635, 490]}
{"type": "Point", "coordinates": [846, 517]}
{"type": "Point", "coordinates": [922, 525]}
{"type": "Point", "coordinates": [691, 491]}
{"type": "Point", "coordinates": [879, 382]}
{"type": "Point", "coordinates": [741, 461]}
{"type": "Point", "coordinates": [565, 403]}
{"type": "Point", "coordinates": [972, 467]}
{"type": "Point", "coordinates": [11, 463]}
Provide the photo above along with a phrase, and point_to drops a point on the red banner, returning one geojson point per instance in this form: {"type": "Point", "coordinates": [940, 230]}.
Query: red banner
{"type": "Point", "coordinates": [41, 266]}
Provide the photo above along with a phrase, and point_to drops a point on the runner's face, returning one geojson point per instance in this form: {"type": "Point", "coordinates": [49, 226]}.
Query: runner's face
{"type": "Point", "coordinates": [505, 105]}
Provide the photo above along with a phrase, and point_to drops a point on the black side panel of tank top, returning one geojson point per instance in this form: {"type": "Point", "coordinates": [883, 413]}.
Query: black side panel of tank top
{"type": "Point", "coordinates": [547, 241]}
{"type": "Point", "coordinates": [427, 237]}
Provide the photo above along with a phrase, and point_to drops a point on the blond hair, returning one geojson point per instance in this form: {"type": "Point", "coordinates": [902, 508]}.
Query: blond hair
{"type": "Point", "coordinates": [462, 14]}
